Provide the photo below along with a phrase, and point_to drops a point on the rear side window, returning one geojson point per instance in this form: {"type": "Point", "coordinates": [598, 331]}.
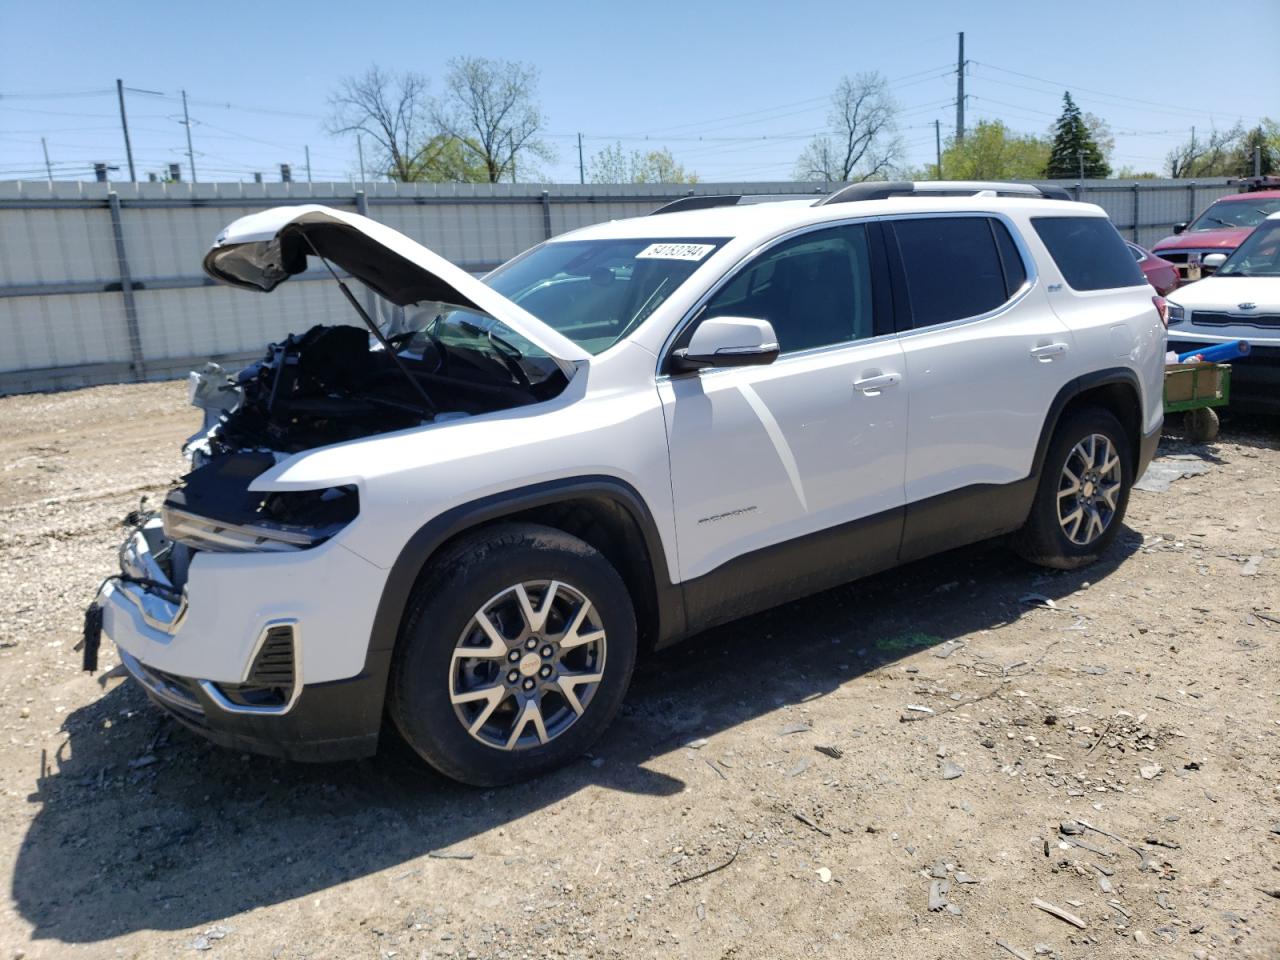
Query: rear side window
{"type": "Point", "coordinates": [955, 268]}
{"type": "Point", "coordinates": [1090, 252]}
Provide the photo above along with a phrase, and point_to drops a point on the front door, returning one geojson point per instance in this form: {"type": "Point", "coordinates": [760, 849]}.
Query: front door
{"type": "Point", "coordinates": [788, 478]}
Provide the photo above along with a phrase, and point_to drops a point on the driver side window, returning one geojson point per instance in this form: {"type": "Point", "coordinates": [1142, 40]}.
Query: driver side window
{"type": "Point", "coordinates": [815, 289]}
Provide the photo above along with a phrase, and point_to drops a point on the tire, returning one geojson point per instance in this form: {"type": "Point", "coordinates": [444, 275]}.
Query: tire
{"type": "Point", "coordinates": [485, 706]}
{"type": "Point", "coordinates": [1056, 539]}
{"type": "Point", "coordinates": [1201, 425]}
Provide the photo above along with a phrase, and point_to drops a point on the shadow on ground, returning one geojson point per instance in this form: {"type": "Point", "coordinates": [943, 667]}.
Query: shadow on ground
{"type": "Point", "coordinates": [198, 834]}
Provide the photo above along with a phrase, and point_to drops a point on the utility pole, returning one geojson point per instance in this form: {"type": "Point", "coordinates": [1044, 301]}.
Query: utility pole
{"type": "Point", "coordinates": [306, 149]}
{"type": "Point", "coordinates": [937, 144]}
{"type": "Point", "coordinates": [186, 122]}
{"type": "Point", "coordinates": [124, 125]}
{"type": "Point", "coordinates": [48, 167]}
{"type": "Point", "coordinates": [1257, 160]}
{"type": "Point", "coordinates": [582, 171]}
{"type": "Point", "coordinates": [960, 64]}
{"type": "Point", "coordinates": [360, 151]}
{"type": "Point", "coordinates": [1080, 157]}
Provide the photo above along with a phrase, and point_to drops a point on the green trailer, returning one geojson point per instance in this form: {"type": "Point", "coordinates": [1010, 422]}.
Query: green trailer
{"type": "Point", "coordinates": [1194, 389]}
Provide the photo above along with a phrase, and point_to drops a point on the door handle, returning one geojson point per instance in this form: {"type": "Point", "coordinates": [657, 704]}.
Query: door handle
{"type": "Point", "coordinates": [1046, 352]}
{"type": "Point", "coordinates": [872, 386]}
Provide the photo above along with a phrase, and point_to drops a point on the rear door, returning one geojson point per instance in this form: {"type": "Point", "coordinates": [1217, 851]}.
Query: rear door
{"type": "Point", "coordinates": [985, 357]}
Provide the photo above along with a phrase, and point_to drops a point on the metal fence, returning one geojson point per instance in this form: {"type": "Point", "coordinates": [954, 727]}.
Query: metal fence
{"type": "Point", "coordinates": [101, 283]}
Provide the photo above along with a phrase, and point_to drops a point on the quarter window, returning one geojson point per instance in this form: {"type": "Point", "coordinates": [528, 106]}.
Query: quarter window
{"type": "Point", "coordinates": [1090, 252]}
{"type": "Point", "coordinates": [957, 267]}
{"type": "Point", "coordinates": [815, 289]}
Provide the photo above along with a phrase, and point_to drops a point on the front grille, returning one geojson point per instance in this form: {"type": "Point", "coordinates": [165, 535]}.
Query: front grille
{"type": "Point", "coordinates": [1222, 319]}
{"type": "Point", "coordinates": [1184, 259]}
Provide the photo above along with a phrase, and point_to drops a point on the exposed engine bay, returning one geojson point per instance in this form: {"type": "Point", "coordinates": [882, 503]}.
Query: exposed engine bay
{"type": "Point", "coordinates": [326, 385]}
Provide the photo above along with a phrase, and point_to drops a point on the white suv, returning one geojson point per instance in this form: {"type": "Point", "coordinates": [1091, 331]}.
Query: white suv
{"type": "Point", "coordinates": [474, 521]}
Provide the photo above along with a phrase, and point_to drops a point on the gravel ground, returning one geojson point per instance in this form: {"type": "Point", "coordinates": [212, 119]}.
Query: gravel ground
{"type": "Point", "coordinates": [968, 734]}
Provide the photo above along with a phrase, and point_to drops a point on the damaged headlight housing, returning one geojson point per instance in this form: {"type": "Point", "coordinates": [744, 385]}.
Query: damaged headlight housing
{"type": "Point", "coordinates": [281, 522]}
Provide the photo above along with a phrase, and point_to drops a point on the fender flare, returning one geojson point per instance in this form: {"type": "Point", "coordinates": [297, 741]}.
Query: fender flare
{"type": "Point", "coordinates": [1073, 388]}
{"type": "Point", "coordinates": [424, 543]}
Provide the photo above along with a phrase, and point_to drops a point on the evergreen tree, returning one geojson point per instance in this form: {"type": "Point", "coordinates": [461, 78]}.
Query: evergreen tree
{"type": "Point", "coordinates": [1072, 144]}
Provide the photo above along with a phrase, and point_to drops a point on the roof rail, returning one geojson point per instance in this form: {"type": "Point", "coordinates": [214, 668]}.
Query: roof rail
{"type": "Point", "coordinates": [882, 190]}
{"type": "Point", "coordinates": [698, 203]}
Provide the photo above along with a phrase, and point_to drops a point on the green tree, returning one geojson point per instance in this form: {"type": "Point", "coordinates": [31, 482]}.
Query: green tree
{"type": "Point", "coordinates": [1211, 156]}
{"type": "Point", "coordinates": [1075, 152]}
{"type": "Point", "coordinates": [991, 151]}
{"type": "Point", "coordinates": [615, 165]}
{"type": "Point", "coordinates": [1243, 161]}
{"type": "Point", "coordinates": [447, 159]}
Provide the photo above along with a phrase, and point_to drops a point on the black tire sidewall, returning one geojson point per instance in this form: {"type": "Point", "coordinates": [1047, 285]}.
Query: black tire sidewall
{"type": "Point", "coordinates": [1044, 540]}
{"type": "Point", "coordinates": [441, 609]}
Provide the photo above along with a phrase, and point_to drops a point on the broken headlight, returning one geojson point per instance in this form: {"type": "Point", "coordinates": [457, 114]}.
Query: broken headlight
{"type": "Point", "coordinates": [293, 520]}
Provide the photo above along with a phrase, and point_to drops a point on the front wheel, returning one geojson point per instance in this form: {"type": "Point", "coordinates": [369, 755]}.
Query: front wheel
{"type": "Point", "coordinates": [515, 655]}
{"type": "Point", "coordinates": [1083, 492]}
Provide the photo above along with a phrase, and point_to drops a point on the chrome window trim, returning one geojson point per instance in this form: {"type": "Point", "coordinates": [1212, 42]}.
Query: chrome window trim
{"type": "Point", "coordinates": [1029, 265]}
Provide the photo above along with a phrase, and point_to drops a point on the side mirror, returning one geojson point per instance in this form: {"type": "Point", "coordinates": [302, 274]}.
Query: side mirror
{"type": "Point", "coordinates": [729, 342]}
{"type": "Point", "coordinates": [1214, 260]}
{"type": "Point", "coordinates": [1179, 227]}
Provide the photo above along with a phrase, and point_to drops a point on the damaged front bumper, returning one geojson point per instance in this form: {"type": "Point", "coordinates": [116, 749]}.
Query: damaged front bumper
{"type": "Point", "coordinates": [211, 641]}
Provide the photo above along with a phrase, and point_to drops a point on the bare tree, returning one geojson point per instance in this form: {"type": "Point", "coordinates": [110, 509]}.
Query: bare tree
{"type": "Point", "coordinates": [394, 112]}
{"type": "Point", "coordinates": [863, 142]}
{"type": "Point", "coordinates": [1211, 157]}
{"type": "Point", "coordinates": [489, 108]}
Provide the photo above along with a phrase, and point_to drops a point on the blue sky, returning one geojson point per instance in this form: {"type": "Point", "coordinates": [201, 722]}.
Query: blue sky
{"type": "Point", "coordinates": [733, 89]}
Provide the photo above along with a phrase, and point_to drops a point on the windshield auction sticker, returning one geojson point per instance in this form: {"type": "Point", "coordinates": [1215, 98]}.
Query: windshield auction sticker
{"type": "Point", "coordinates": [675, 251]}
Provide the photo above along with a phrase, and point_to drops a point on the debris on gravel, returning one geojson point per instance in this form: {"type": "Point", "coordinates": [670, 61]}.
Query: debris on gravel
{"type": "Point", "coordinates": [705, 830]}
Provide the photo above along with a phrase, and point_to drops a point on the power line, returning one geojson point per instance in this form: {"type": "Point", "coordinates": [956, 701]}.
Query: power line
{"type": "Point", "coordinates": [1162, 106]}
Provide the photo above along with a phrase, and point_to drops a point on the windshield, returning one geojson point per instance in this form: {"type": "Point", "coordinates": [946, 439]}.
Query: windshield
{"type": "Point", "coordinates": [1258, 256]}
{"type": "Point", "coordinates": [1236, 213]}
{"type": "Point", "coordinates": [596, 292]}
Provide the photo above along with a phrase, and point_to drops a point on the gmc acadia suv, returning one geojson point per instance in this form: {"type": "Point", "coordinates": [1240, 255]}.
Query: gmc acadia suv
{"type": "Point", "coordinates": [473, 515]}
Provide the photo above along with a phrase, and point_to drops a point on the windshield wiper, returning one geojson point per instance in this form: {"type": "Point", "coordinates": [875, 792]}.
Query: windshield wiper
{"type": "Point", "coordinates": [373, 328]}
{"type": "Point", "coordinates": [1223, 222]}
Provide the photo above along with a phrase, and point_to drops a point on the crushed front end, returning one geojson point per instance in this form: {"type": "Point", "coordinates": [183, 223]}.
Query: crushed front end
{"type": "Point", "coordinates": [239, 616]}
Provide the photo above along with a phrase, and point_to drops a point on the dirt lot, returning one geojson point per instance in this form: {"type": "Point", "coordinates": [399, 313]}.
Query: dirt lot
{"type": "Point", "coordinates": [1106, 741]}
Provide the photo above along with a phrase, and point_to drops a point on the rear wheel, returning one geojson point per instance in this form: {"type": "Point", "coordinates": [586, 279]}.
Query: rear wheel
{"type": "Point", "coordinates": [516, 654]}
{"type": "Point", "coordinates": [1083, 492]}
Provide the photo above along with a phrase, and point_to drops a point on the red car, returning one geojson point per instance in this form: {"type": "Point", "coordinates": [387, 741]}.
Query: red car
{"type": "Point", "coordinates": [1219, 229]}
{"type": "Point", "coordinates": [1160, 273]}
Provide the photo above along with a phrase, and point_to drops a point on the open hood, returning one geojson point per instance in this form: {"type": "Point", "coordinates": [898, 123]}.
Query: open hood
{"type": "Point", "coordinates": [264, 249]}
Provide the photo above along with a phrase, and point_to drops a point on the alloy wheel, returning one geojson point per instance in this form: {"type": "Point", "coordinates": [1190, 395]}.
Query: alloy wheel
{"type": "Point", "coordinates": [527, 665]}
{"type": "Point", "coordinates": [1089, 489]}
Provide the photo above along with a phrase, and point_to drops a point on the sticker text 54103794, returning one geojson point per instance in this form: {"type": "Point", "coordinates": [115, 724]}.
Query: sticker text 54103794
{"type": "Point", "coordinates": [675, 251]}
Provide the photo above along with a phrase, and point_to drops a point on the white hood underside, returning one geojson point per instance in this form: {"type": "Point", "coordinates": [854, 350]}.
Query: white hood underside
{"type": "Point", "coordinates": [262, 250]}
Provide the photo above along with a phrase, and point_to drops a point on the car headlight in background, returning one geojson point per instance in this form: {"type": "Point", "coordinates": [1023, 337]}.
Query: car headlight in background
{"type": "Point", "coordinates": [1175, 313]}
